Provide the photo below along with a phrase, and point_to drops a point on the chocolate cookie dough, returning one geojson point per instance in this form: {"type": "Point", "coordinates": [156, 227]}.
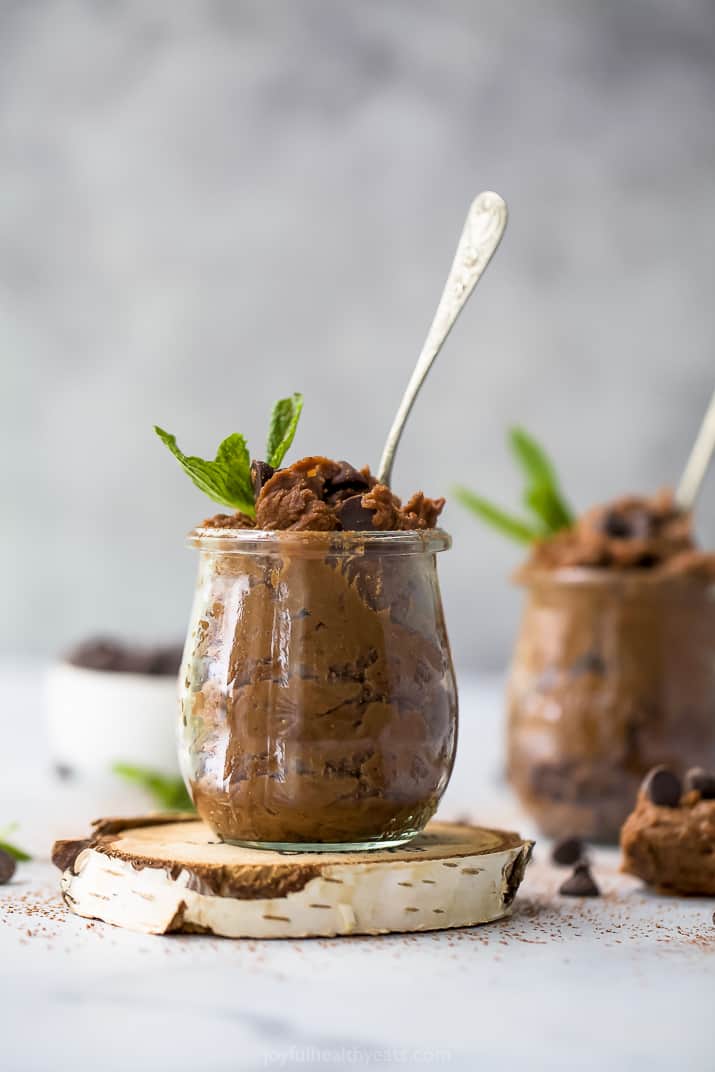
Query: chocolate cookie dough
{"type": "Point", "coordinates": [613, 670]}
{"type": "Point", "coordinates": [672, 847]}
{"type": "Point", "coordinates": [317, 494]}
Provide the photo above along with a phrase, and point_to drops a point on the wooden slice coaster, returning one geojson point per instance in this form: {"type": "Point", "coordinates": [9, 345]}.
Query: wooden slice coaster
{"type": "Point", "coordinates": [163, 873]}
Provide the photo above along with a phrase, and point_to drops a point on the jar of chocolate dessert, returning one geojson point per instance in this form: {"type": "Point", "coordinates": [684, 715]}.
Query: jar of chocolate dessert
{"type": "Point", "coordinates": [318, 699]}
{"type": "Point", "coordinates": [613, 673]}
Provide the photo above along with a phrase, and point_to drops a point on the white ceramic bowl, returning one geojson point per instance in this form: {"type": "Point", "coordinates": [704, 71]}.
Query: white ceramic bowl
{"type": "Point", "coordinates": [96, 718]}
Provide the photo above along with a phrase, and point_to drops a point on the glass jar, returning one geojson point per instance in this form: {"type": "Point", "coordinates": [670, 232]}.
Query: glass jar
{"type": "Point", "coordinates": [613, 673]}
{"type": "Point", "coordinates": [318, 699]}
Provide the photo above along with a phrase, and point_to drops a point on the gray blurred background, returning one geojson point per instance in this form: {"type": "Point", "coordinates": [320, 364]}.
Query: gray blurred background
{"type": "Point", "coordinates": [207, 205]}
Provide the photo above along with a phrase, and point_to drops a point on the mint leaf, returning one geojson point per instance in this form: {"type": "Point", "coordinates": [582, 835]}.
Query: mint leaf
{"type": "Point", "coordinates": [531, 457]}
{"type": "Point", "coordinates": [506, 523]}
{"type": "Point", "coordinates": [542, 494]}
{"type": "Point", "coordinates": [548, 507]}
{"type": "Point", "coordinates": [227, 479]}
{"type": "Point", "coordinates": [284, 421]}
{"type": "Point", "coordinates": [13, 850]}
{"type": "Point", "coordinates": [169, 793]}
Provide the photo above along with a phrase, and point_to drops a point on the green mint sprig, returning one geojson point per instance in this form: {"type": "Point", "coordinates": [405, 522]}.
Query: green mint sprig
{"type": "Point", "coordinates": [541, 497]}
{"type": "Point", "coordinates": [281, 432]}
{"type": "Point", "coordinates": [12, 850]}
{"type": "Point", "coordinates": [227, 479]}
{"type": "Point", "coordinates": [168, 793]}
{"type": "Point", "coordinates": [542, 494]}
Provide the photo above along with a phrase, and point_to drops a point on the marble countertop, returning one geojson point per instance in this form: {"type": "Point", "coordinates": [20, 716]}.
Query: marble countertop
{"type": "Point", "coordinates": [624, 981]}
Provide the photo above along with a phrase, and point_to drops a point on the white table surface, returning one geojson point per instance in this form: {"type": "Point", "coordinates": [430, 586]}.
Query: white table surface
{"type": "Point", "coordinates": [626, 981]}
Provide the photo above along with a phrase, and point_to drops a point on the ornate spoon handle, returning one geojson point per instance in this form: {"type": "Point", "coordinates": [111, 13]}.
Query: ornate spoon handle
{"type": "Point", "coordinates": [480, 237]}
{"type": "Point", "coordinates": [697, 464]}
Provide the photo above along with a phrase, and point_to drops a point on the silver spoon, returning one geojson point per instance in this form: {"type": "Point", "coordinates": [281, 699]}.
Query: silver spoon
{"type": "Point", "coordinates": [697, 464]}
{"type": "Point", "coordinates": [478, 242]}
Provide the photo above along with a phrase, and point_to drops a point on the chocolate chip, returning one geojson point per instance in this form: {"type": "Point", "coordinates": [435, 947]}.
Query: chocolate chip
{"type": "Point", "coordinates": [635, 524]}
{"type": "Point", "coordinates": [701, 780]}
{"type": "Point", "coordinates": [348, 476]}
{"type": "Point", "coordinates": [568, 851]}
{"type": "Point", "coordinates": [353, 516]}
{"type": "Point", "coordinates": [261, 473]}
{"type": "Point", "coordinates": [580, 884]}
{"type": "Point", "coordinates": [662, 787]}
{"type": "Point", "coordinates": [7, 867]}
{"type": "Point", "coordinates": [615, 527]}
{"type": "Point", "coordinates": [347, 482]}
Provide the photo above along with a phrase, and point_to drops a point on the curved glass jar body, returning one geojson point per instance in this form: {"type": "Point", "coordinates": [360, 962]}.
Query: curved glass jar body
{"type": "Point", "coordinates": [613, 673]}
{"type": "Point", "coordinates": [318, 700]}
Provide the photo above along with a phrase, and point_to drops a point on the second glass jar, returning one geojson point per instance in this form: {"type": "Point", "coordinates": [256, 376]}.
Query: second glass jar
{"type": "Point", "coordinates": [613, 673]}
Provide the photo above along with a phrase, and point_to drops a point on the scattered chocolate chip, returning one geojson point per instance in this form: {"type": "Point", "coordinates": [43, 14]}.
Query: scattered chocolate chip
{"type": "Point", "coordinates": [353, 516]}
{"type": "Point", "coordinates": [701, 780]}
{"type": "Point", "coordinates": [580, 884]}
{"type": "Point", "coordinates": [261, 473]}
{"type": "Point", "coordinates": [662, 787]}
{"type": "Point", "coordinates": [7, 867]}
{"type": "Point", "coordinates": [567, 851]}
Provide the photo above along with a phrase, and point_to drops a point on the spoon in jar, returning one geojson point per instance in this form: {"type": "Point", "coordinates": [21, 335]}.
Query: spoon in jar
{"type": "Point", "coordinates": [482, 232]}
{"type": "Point", "coordinates": [697, 464]}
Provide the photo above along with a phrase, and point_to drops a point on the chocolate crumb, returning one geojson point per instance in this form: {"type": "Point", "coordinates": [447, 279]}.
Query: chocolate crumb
{"type": "Point", "coordinates": [568, 851]}
{"type": "Point", "coordinates": [663, 787]}
{"type": "Point", "coordinates": [580, 884]}
{"type": "Point", "coordinates": [7, 867]}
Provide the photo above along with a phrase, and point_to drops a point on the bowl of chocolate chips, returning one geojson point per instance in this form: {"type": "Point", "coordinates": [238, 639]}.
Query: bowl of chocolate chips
{"type": "Point", "coordinates": [109, 701]}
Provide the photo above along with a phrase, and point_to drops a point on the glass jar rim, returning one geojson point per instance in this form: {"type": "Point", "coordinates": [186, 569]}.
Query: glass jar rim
{"type": "Point", "coordinates": [318, 544]}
